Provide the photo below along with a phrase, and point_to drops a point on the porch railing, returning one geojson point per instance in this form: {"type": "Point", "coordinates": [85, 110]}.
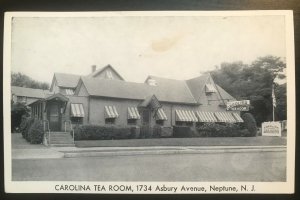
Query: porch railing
{"type": "Point", "coordinates": [71, 128]}
{"type": "Point", "coordinates": [47, 129]}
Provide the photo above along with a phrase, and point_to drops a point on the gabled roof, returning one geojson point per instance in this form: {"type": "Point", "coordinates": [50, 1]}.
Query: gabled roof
{"type": "Point", "coordinates": [98, 71]}
{"type": "Point", "coordinates": [197, 88]}
{"type": "Point", "coordinates": [57, 96]}
{"type": "Point", "coordinates": [197, 85]}
{"type": "Point", "coordinates": [167, 91]}
{"type": "Point", "coordinates": [171, 88]}
{"type": "Point", "coordinates": [66, 80]}
{"type": "Point", "coordinates": [224, 94]}
{"type": "Point", "coordinates": [29, 92]}
{"type": "Point", "coordinates": [147, 101]}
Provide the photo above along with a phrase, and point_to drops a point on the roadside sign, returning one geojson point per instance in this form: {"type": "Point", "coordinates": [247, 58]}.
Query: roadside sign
{"type": "Point", "coordinates": [271, 129]}
{"type": "Point", "coordinates": [238, 105]}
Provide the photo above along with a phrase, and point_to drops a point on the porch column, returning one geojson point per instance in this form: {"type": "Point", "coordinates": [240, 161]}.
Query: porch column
{"type": "Point", "coordinates": [41, 110]}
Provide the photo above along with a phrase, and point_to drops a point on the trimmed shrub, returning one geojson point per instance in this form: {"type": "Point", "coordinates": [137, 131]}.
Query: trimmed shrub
{"type": "Point", "coordinates": [161, 131]}
{"type": "Point", "coordinates": [157, 131]}
{"type": "Point", "coordinates": [250, 124]}
{"type": "Point", "coordinates": [25, 126]}
{"type": "Point", "coordinates": [182, 131]}
{"type": "Point", "coordinates": [95, 132]}
{"type": "Point", "coordinates": [36, 132]}
{"type": "Point", "coordinates": [220, 130]}
{"type": "Point", "coordinates": [146, 132]}
{"type": "Point", "coordinates": [166, 132]}
{"type": "Point", "coordinates": [135, 132]}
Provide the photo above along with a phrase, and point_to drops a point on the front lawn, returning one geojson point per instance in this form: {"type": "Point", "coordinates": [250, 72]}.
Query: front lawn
{"type": "Point", "coordinates": [213, 141]}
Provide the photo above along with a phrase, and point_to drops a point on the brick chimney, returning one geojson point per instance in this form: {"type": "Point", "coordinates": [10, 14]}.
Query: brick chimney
{"type": "Point", "coordinates": [94, 68]}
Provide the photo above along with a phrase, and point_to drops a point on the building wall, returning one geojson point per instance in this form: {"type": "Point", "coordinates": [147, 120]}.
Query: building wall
{"type": "Point", "coordinates": [97, 107]}
{"type": "Point", "coordinates": [76, 99]}
{"type": "Point", "coordinates": [170, 108]}
{"type": "Point", "coordinates": [95, 113]}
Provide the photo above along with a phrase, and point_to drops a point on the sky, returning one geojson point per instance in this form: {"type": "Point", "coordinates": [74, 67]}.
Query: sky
{"type": "Point", "coordinates": [138, 46]}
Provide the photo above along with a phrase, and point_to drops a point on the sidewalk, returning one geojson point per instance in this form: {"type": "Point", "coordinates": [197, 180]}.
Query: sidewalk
{"type": "Point", "coordinates": [23, 150]}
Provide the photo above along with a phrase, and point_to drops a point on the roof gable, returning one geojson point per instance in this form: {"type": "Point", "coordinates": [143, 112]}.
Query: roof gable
{"type": "Point", "coordinates": [65, 80]}
{"type": "Point", "coordinates": [197, 88]}
{"type": "Point", "coordinates": [107, 72]}
{"type": "Point", "coordinates": [57, 96]}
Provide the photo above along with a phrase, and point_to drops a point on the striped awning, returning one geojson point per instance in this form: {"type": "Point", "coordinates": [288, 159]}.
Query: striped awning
{"type": "Point", "coordinates": [161, 115]}
{"type": "Point", "coordinates": [237, 117]}
{"type": "Point", "coordinates": [185, 116]}
{"type": "Point", "coordinates": [225, 117]}
{"type": "Point", "coordinates": [210, 88]}
{"type": "Point", "coordinates": [110, 112]}
{"type": "Point", "coordinates": [133, 113]}
{"type": "Point", "coordinates": [206, 116]}
{"type": "Point", "coordinates": [77, 110]}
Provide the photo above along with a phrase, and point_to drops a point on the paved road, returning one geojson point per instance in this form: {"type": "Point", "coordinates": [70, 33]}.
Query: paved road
{"type": "Point", "coordinates": [259, 166]}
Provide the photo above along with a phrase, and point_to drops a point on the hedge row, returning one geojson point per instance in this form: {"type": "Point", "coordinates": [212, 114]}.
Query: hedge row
{"type": "Point", "coordinates": [96, 132]}
{"type": "Point", "coordinates": [246, 129]}
{"type": "Point", "coordinates": [210, 130]}
{"type": "Point", "coordinates": [32, 130]}
{"type": "Point", "coordinates": [221, 130]}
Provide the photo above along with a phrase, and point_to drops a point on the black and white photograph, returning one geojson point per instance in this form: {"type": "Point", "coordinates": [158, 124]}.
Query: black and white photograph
{"type": "Point", "coordinates": [149, 102]}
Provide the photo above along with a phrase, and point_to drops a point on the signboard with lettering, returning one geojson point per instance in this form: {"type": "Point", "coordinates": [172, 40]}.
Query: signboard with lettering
{"type": "Point", "coordinates": [271, 129]}
{"type": "Point", "coordinates": [238, 105]}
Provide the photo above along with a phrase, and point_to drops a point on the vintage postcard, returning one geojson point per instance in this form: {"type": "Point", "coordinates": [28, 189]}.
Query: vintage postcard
{"type": "Point", "coordinates": [149, 102]}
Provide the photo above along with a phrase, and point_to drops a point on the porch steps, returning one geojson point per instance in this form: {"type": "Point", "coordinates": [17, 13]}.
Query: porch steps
{"type": "Point", "coordinates": [61, 139]}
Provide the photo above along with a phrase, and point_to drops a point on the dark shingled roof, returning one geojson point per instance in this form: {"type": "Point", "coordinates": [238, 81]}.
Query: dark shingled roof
{"type": "Point", "coordinates": [167, 90]}
{"type": "Point", "coordinates": [66, 80]}
{"type": "Point", "coordinates": [29, 92]}
{"type": "Point", "coordinates": [197, 85]}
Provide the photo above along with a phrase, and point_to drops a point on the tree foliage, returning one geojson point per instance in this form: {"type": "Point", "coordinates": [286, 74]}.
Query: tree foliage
{"type": "Point", "coordinates": [17, 111]}
{"type": "Point", "coordinates": [254, 82]}
{"type": "Point", "coordinates": [22, 80]}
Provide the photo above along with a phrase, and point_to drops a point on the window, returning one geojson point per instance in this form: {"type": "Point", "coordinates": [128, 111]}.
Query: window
{"type": "Point", "coordinates": [77, 120]}
{"type": "Point", "coordinates": [181, 123]}
{"type": "Point", "coordinates": [209, 88]}
{"type": "Point", "coordinates": [131, 121]}
{"type": "Point", "coordinates": [160, 122]}
{"type": "Point", "coordinates": [110, 120]}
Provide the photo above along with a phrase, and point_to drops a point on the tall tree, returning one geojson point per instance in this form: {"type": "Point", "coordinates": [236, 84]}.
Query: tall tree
{"type": "Point", "coordinates": [254, 82]}
{"type": "Point", "coordinates": [22, 80]}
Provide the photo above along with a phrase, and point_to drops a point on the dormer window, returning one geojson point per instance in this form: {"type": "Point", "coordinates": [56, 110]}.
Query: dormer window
{"type": "Point", "coordinates": [209, 88]}
{"type": "Point", "coordinates": [151, 82]}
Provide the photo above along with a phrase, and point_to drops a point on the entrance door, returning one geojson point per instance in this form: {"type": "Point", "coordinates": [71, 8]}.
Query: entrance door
{"type": "Point", "coordinates": [54, 116]}
{"type": "Point", "coordinates": [146, 121]}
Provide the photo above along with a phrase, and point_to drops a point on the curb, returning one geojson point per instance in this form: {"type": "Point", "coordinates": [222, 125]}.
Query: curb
{"type": "Point", "coordinates": [99, 153]}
